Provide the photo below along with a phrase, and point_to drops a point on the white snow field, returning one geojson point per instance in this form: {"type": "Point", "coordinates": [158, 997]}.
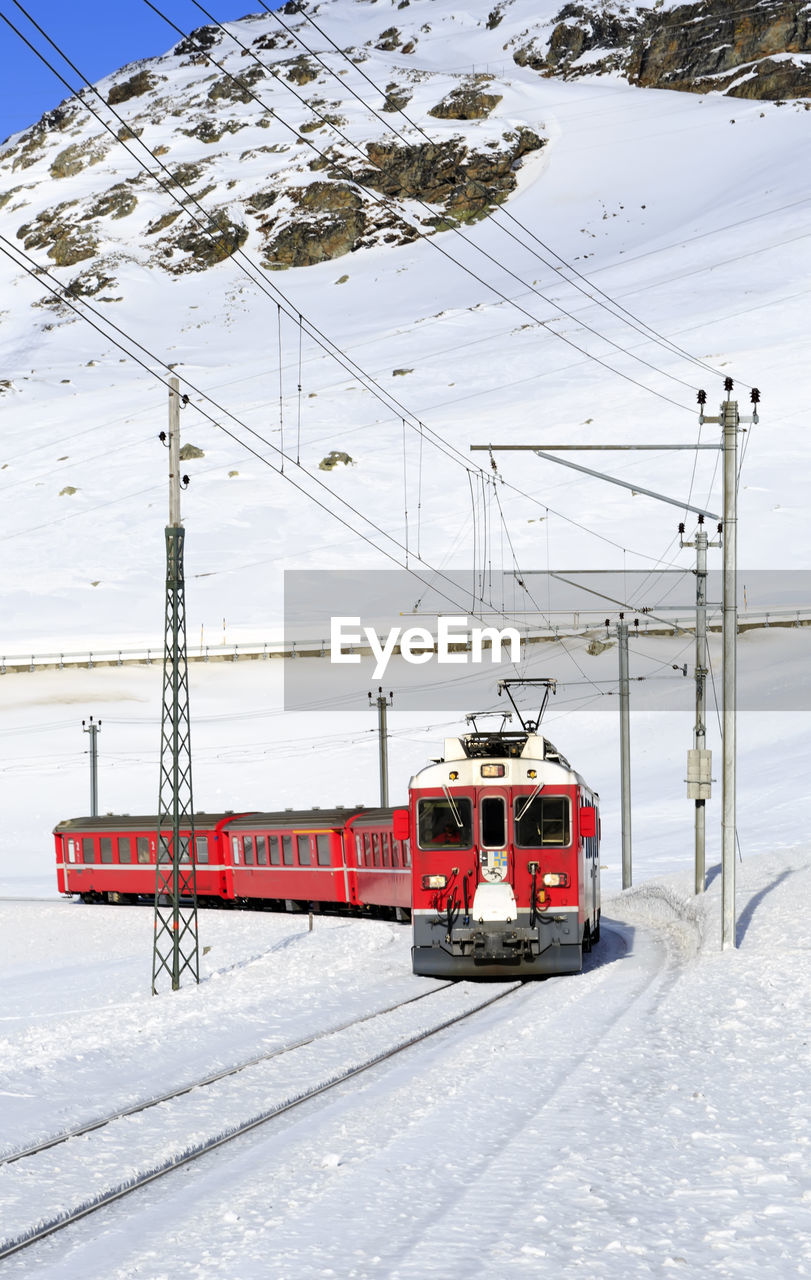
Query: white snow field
{"type": "Point", "coordinates": [648, 1117]}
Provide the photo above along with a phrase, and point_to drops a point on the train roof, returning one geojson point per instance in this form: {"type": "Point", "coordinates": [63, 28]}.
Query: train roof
{"type": "Point", "coordinates": [135, 822]}
{"type": "Point", "coordinates": [312, 819]}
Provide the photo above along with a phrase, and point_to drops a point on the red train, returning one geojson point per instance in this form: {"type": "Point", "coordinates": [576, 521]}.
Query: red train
{"type": "Point", "coordinates": [502, 833]}
{"type": "Point", "coordinates": [506, 868]}
{"type": "Point", "coordinates": [339, 857]}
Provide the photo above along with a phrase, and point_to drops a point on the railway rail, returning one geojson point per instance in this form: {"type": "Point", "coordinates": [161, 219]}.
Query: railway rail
{"type": "Point", "coordinates": [200, 1106]}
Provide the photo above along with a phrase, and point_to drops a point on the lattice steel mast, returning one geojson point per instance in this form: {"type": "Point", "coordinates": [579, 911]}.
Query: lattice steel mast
{"type": "Point", "coordinates": [175, 951]}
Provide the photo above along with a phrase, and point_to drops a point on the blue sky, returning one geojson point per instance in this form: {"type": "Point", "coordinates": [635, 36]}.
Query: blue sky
{"type": "Point", "coordinates": [99, 36]}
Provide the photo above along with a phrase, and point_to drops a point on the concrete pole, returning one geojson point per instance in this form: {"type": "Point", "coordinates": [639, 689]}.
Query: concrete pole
{"type": "Point", "coordinates": [174, 452]}
{"type": "Point", "coordinates": [700, 734]}
{"type": "Point", "coordinates": [625, 751]}
{"type": "Point", "coordinates": [93, 728]}
{"type": "Point", "coordinates": [382, 704]}
{"type": "Point", "coordinates": [730, 421]}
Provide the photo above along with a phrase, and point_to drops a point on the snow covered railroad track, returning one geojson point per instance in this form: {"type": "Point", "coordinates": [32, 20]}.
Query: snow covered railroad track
{"type": "Point", "coordinates": [114, 1156]}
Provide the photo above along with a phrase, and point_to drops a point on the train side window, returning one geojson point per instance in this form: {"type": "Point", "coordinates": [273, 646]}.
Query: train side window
{"type": "Point", "coordinates": [71, 850]}
{"type": "Point", "coordinates": [235, 850]}
{"type": "Point", "coordinates": [396, 860]}
{"type": "Point", "coordinates": [322, 843]}
{"type": "Point", "coordinates": [250, 855]}
{"type": "Point", "coordinates": [124, 849]}
{"type": "Point", "coordinates": [305, 854]}
{"type": "Point", "coordinates": [106, 848]}
{"type": "Point", "coordinates": [437, 825]}
{"type": "Point", "coordinates": [275, 855]}
{"type": "Point", "coordinates": [261, 851]}
{"type": "Point", "coordinates": [406, 854]}
{"type": "Point", "coordinates": [493, 822]}
{"type": "Point", "coordinates": [201, 849]}
{"type": "Point", "coordinates": [87, 851]}
{"type": "Point", "coordinates": [545, 823]}
{"type": "Point", "coordinates": [385, 845]}
{"type": "Point", "coordinates": [287, 850]}
{"type": "Point", "coordinates": [142, 848]}
{"type": "Point", "coordinates": [375, 848]}
{"type": "Point", "coordinates": [367, 849]}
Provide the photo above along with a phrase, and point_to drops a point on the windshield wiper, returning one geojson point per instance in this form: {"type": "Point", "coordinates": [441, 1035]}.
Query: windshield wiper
{"type": "Point", "coordinates": [530, 799]}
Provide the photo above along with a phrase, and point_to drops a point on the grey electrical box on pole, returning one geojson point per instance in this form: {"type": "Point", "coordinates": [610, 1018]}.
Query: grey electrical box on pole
{"type": "Point", "coordinates": [93, 728]}
{"type": "Point", "coordinates": [175, 950]}
{"type": "Point", "coordinates": [382, 703]}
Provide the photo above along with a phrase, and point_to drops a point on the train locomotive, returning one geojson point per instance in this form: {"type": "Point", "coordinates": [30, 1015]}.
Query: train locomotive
{"type": "Point", "coordinates": [505, 859]}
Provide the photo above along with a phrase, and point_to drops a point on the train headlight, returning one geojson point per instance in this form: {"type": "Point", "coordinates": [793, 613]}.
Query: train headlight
{"type": "Point", "coordinates": [434, 882]}
{"type": "Point", "coordinates": [556, 880]}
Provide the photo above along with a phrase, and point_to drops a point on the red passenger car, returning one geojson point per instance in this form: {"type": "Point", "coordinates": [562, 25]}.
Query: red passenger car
{"type": "Point", "coordinates": [340, 858]}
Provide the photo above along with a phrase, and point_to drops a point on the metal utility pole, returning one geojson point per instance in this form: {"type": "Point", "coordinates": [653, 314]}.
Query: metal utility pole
{"type": "Point", "coordinates": [93, 728]}
{"type": "Point", "coordinates": [730, 421]}
{"type": "Point", "coordinates": [175, 951]}
{"type": "Point", "coordinates": [699, 760]}
{"type": "Point", "coordinates": [382, 703]}
{"type": "Point", "coordinates": [625, 750]}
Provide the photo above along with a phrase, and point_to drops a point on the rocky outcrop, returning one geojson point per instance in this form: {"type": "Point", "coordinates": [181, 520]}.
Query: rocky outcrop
{"type": "Point", "coordinates": [696, 48]}
{"type": "Point", "coordinates": [135, 87]}
{"type": "Point", "coordinates": [468, 102]}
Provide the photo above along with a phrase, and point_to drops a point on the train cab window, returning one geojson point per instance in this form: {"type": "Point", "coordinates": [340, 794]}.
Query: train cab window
{"type": "Point", "coordinates": [261, 851]}
{"type": "Point", "coordinates": [250, 855]}
{"type": "Point", "coordinates": [201, 849]}
{"type": "Point", "coordinates": [322, 850]}
{"type": "Point", "coordinates": [544, 823]}
{"type": "Point", "coordinates": [441, 825]}
{"type": "Point", "coordinates": [106, 847]}
{"type": "Point", "coordinates": [124, 849]}
{"type": "Point", "coordinates": [287, 850]}
{"type": "Point", "coordinates": [88, 854]}
{"type": "Point", "coordinates": [275, 855]}
{"type": "Point", "coordinates": [305, 855]}
{"type": "Point", "coordinates": [142, 848]}
{"type": "Point", "coordinates": [493, 822]}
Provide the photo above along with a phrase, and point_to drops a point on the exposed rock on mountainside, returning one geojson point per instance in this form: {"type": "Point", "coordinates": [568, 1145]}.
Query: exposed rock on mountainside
{"type": "Point", "coordinates": [331, 218]}
{"type": "Point", "coordinates": [761, 51]}
{"type": "Point", "coordinates": [469, 102]}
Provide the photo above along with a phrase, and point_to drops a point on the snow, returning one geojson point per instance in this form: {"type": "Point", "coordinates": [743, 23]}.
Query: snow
{"type": "Point", "coordinates": [650, 1113]}
{"type": "Point", "coordinates": [646, 1117]}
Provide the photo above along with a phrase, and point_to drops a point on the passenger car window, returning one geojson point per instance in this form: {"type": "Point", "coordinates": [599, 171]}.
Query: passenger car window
{"type": "Point", "coordinates": [142, 846]}
{"type": "Point", "coordinates": [287, 850]}
{"type": "Point", "coordinates": [305, 856]}
{"type": "Point", "coordinates": [124, 849]}
{"type": "Point", "coordinates": [250, 856]}
{"type": "Point", "coordinates": [106, 847]}
{"type": "Point", "coordinates": [261, 851]}
{"type": "Point", "coordinates": [201, 849]}
{"type": "Point", "coordinates": [88, 854]}
{"type": "Point", "coordinates": [322, 850]}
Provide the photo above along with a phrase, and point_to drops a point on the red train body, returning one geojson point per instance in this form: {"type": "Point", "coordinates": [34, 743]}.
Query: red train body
{"type": "Point", "coordinates": [341, 857]}
{"type": "Point", "coordinates": [506, 873]}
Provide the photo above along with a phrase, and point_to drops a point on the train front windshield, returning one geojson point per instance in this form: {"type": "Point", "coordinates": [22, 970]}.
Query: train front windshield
{"type": "Point", "coordinates": [544, 823]}
{"type": "Point", "coordinates": [442, 825]}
